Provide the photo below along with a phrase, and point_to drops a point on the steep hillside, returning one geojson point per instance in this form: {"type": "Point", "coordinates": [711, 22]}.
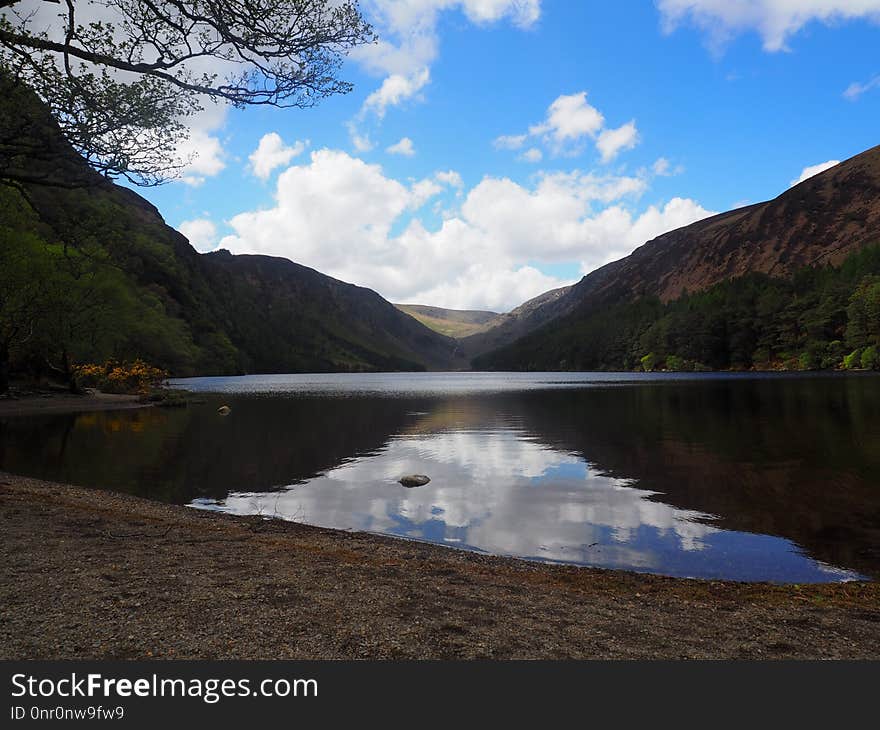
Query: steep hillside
{"type": "Point", "coordinates": [321, 323]}
{"type": "Point", "coordinates": [822, 221]}
{"type": "Point", "coordinates": [123, 284]}
{"type": "Point", "coordinates": [450, 322]}
{"type": "Point", "coordinates": [526, 318]}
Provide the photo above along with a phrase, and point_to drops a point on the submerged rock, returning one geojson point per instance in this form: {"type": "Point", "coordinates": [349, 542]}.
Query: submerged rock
{"type": "Point", "coordinates": [414, 480]}
{"type": "Point", "coordinates": [224, 410]}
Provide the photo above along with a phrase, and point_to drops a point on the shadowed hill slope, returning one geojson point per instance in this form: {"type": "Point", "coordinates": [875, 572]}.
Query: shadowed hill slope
{"type": "Point", "coordinates": [526, 318]}
{"type": "Point", "coordinates": [184, 311]}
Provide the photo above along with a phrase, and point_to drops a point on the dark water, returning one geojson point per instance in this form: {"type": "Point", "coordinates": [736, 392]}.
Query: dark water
{"type": "Point", "coordinates": [743, 477]}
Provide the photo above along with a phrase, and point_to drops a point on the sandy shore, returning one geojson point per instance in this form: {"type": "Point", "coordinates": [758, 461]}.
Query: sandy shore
{"type": "Point", "coordinates": [90, 574]}
{"type": "Point", "coordinates": [55, 402]}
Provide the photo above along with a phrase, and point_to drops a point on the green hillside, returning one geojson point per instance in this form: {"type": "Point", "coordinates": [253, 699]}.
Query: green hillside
{"type": "Point", "coordinates": [90, 271]}
{"type": "Point", "coordinates": [822, 317]}
{"type": "Point", "coordinates": [450, 322]}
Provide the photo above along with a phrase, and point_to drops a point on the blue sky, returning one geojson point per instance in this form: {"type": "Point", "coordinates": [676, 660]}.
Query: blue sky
{"type": "Point", "coordinates": [546, 137]}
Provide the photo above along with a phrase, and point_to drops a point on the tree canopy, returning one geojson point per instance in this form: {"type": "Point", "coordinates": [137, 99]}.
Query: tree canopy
{"type": "Point", "coordinates": [823, 317]}
{"type": "Point", "coordinates": [120, 77]}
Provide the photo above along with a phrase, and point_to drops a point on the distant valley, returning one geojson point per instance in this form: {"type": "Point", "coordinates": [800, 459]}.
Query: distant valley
{"type": "Point", "coordinates": [455, 323]}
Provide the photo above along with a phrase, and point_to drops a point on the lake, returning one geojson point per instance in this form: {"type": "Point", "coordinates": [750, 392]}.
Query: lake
{"type": "Point", "coordinates": [746, 477]}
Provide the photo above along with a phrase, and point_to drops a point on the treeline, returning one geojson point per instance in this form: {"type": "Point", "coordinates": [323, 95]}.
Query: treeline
{"type": "Point", "coordinates": [822, 318]}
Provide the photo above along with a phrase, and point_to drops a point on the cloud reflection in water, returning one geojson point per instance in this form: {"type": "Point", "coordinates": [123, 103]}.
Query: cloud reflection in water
{"type": "Point", "coordinates": [500, 491]}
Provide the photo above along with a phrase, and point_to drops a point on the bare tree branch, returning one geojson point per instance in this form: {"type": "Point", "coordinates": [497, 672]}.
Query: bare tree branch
{"type": "Point", "coordinates": [120, 91]}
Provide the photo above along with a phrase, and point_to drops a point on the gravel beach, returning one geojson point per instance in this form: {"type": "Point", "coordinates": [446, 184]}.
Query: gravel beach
{"type": "Point", "coordinates": [92, 574]}
{"type": "Point", "coordinates": [54, 402]}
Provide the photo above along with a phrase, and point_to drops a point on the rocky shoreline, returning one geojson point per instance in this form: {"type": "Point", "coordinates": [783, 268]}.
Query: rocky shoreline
{"type": "Point", "coordinates": [93, 574]}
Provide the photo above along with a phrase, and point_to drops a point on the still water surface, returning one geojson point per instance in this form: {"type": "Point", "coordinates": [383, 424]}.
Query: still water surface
{"type": "Point", "coordinates": [714, 476]}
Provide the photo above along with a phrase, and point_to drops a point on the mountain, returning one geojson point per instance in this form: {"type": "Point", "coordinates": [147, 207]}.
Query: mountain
{"type": "Point", "coordinates": [526, 318]}
{"type": "Point", "coordinates": [478, 331]}
{"type": "Point", "coordinates": [114, 281]}
{"type": "Point", "coordinates": [823, 221]}
{"type": "Point", "coordinates": [820, 221]}
{"type": "Point", "coordinates": [321, 323]}
{"type": "Point", "coordinates": [90, 271]}
{"type": "Point", "coordinates": [450, 322]}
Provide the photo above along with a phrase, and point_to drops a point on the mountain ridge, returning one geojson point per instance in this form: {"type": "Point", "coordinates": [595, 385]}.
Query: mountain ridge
{"type": "Point", "coordinates": [454, 323]}
{"type": "Point", "coordinates": [822, 220]}
{"type": "Point", "coordinates": [186, 312]}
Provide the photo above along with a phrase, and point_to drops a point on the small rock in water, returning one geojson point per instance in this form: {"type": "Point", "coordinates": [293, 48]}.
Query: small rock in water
{"type": "Point", "coordinates": [224, 410]}
{"type": "Point", "coordinates": [414, 480]}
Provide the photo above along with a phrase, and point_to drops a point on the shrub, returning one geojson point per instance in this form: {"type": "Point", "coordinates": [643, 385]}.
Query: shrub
{"type": "Point", "coordinates": [853, 360]}
{"type": "Point", "coordinates": [871, 358]}
{"type": "Point", "coordinates": [649, 362]}
{"type": "Point", "coordinates": [116, 377]}
{"type": "Point", "coordinates": [811, 358]}
{"type": "Point", "coordinates": [833, 356]}
{"type": "Point", "coordinates": [790, 362]}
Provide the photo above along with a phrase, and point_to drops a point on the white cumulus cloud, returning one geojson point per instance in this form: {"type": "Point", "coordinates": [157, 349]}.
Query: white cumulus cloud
{"type": "Point", "coordinates": [205, 155]}
{"type": "Point", "coordinates": [570, 118]}
{"type": "Point", "coordinates": [451, 178]}
{"type": "Point", "coordinates": [570, 121]}
{"type": "Point", "coordinates": [348, 219]}
{"type": "Point", "coordinates": [271, 153]}
{"type": "Point", "coordinates": [612, 142]}
{"type": "Point", "coordinates": [629, 231]}
{"type": "Point", "coordinates": [201, 233]}
{"type": "Point", "coordinates": [203, 150]}
{"type": "Point", "coordinates": [812, 170]}
{"type": "Point", "coordinates": [409, 44]}
{"type": "Point", "coordinates": [404, 147]}
{"type": "Point", "coordinates": [359, 140]}
{"type": "Point", "coordinates": [396, 89]}
{"type": "Point", "coordinates": [774, 20]}
{"type": "Point", "coordinates": [408, 28]}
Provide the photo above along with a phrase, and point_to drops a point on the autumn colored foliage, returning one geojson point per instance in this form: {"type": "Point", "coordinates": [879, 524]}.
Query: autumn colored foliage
{"type": "Point", "coordinates": [120, 377]}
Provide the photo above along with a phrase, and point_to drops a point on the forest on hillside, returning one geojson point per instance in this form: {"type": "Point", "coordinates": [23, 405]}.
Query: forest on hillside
{"type": "Point", "coordinates": [68, 300]}
{"type": "Point", "coordinates": [87, 276]}
{"type": "Point", "coordinates": [822, 318]}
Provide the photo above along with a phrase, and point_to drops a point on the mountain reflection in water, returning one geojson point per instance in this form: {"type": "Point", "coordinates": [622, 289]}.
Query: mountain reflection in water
{"type": "Point", "coordinates": [741, 478]}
